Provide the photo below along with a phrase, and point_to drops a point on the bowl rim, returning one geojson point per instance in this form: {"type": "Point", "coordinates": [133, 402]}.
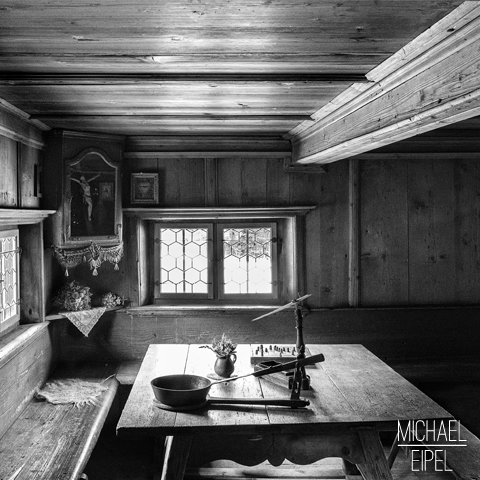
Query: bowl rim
{"type": "Point", "coordinates": [180, 375]}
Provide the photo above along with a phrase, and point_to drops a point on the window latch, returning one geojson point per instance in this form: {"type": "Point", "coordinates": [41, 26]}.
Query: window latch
{"type": "Point", "coordinates": [279, 243]}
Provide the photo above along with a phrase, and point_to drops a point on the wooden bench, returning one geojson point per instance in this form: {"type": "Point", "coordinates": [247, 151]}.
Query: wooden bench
{"type": "Point", "coordinates": [42, 440]}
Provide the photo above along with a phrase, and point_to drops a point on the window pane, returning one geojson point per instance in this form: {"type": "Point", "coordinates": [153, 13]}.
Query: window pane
{"type": "Point", "coordinates": [247, 260]}
{"type": "Point", "coordinates": [183, 260]}
{"type": "Point", "coordinates": [9, 277]}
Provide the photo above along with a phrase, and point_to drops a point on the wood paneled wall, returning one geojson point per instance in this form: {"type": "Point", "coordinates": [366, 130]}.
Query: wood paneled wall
{"type": "Point", "coordinates": [417, 229]}
{"type": "Point", "coordinates": [414, 238]}
{"type": "Point", "coordinates": [419, 232]}
{"type": "Point", "coordinates": [20, 155]}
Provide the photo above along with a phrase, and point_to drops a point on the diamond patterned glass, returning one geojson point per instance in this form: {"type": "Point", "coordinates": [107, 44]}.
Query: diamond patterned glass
{"type": "Point", "coordinates": [247, 260]}
{"type": "Point", "coordinates": [9, 277]}
{"type": "Point", "coordinates": [184, 260]}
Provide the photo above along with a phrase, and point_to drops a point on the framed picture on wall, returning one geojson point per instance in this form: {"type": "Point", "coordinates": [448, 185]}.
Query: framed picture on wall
{"type": "Point", "coordinates": [144, 187]}
{"type": "Point", "coordinates": [92, 200]}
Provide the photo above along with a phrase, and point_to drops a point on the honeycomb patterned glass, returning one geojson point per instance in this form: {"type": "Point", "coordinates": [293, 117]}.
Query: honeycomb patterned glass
{"type": "Point", "coordinates": [184, 260]}
{"type": "Point", "coordinates": [9, 277]}
{"type": "Point", "coordinates": [247, 260]}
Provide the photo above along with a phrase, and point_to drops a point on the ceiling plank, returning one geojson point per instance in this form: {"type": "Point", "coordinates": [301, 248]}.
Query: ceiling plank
{"type": "Point", "coordinates": [435, 82]}
{"type": "Point", "coordinates": [214, 79]}
{"type": "Point", "coordinates": [200, 64]}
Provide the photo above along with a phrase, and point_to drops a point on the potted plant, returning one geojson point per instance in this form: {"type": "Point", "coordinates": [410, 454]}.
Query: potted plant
{"type": "Point", "coordinates": [225, 350]}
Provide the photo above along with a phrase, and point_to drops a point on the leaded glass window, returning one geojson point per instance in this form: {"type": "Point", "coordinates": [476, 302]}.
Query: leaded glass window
{"type": "Point", "coordinates": [216, 261]}
{"type": "Point", "coordinates": [183, 261]}
{"type": "Point", "coordinates": [9, 278]}
{"type": "Point", "coordinates": [247, 260]}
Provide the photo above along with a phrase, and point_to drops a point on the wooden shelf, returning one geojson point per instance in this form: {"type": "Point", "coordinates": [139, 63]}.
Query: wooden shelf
{"type": "Point", "coordinates": [209, 213]}
{"type": "Point", "coordinates": [59, 316]}
{"type": "Point", "coordinates": [22, 216]}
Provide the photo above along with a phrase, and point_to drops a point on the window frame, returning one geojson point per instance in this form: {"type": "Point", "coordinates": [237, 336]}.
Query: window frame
{"type": "Point", "coordinates": [215, 260]}
{"type": "Point", "coordinates": [157, 262]}
{"type": "Point", "coordinates": [6, 324]}
{"type": "Point", "coordinates": [291, 269]}
{"type": "Point", "coordinates": [220, 293]}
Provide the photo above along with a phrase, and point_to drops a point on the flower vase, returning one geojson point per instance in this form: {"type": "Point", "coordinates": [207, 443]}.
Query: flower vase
{"type": "Point", "coordinates": [224, 366]}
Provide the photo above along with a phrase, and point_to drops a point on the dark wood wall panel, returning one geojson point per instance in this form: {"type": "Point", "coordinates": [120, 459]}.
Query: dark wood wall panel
{"type": "Point", "coordinates": [327, 237]}
{"type": "Point", "coordinates": [418, 222]}
{"type": "Point", "coordinates": [29, 158]}
{"type": "Point", "coordinates": [242, 182]}
{"type": "Point", "coordinates": [417, 230]}
{"type": "Point", "coordinates": [432, 270]}
{"type": "Point", "coordinates": [467, 231]}
{"type": "Point", "coordinates": [383, 233]}
{"type": "Point", "coordinates": [407, 338]}
{"type": "Point", "coordinates": [183, 182]}
{"type": "Point", "coordinates": [22, 372]}
{"type": "Point", "coordinates": [8, 172]}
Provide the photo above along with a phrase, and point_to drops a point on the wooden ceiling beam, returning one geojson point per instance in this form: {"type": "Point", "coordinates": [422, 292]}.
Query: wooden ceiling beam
{"type": "Point", "coordinates": [431, 82]}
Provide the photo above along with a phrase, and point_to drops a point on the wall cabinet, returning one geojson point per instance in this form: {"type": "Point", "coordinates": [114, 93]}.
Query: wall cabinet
{"type": "Point", "coordinates": [83, 183]}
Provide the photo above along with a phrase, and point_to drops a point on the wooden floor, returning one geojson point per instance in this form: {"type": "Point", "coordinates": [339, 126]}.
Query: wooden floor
{"type": "Point", "coordinates": [120, 459]}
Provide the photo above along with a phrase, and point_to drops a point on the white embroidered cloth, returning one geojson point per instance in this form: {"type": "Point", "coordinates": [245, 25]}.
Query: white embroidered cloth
{"type": "Point", "coordinates": [85, 320]}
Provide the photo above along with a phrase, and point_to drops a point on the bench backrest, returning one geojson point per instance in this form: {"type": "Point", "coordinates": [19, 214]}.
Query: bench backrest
{"type": "Point", "coordinates": [26, 361]}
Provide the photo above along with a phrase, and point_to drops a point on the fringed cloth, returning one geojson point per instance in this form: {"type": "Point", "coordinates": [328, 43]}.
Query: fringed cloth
{"type": "Point", "coordinates": [85, 320]}
{"type": "Point", "coordinates": [72, 391]}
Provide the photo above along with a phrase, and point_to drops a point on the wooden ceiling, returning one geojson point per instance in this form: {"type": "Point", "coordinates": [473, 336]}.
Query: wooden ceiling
{"type": "Point", "coordinates": [211, 67]}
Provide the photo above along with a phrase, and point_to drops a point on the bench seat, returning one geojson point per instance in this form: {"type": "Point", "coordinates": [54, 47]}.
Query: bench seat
{"type": "Point", "coordinates": [54, 441]}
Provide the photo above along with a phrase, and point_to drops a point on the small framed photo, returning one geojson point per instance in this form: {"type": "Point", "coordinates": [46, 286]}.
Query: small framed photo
{"type": "Point", "coordinates": [144, 188]}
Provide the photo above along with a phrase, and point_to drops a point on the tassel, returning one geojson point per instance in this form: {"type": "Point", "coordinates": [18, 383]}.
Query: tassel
{"type": "Point", "coordinates": [93, 254]}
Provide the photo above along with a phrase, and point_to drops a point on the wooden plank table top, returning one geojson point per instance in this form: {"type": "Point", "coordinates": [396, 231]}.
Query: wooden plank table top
{"type": "Point", "coordinates": [353, 396]}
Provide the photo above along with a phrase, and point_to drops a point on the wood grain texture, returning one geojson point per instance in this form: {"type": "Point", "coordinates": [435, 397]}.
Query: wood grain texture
{"type": "Point", "coordinates": [383, 236]}
{"type": "Point", "coordinates": [26, 356]}
{"type": "Point", "coordinates": [248, 68]}
{"type": "Point", "coordinates": [73, 430]}
{"type": "Point", "coordinates": [8, 172]}
{"type": "Point", "coordinates": [192, 143]}
{"type": "Point", "coordinates": [346, 410]}
{"type": "Point", "coordinates": [407, 338]}
{"type": "Point", "coordinates": [29, 157]}
{"type": "Point", "coordinates": [32, 307]}
{"type": "Point", "coordinates": [375, 465]}
{"type": "Point", "coordinates": [431, 239]}
{"type": "Point", "coordinates": [419, 96]}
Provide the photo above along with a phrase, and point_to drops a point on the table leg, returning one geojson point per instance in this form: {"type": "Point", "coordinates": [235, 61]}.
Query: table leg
{"type": "Point", "coordinates": [376, 465]}
{"type": "Point", "coordinates": [177, 450]}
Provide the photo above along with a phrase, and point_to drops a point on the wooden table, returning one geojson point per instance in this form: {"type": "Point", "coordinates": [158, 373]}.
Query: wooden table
{"type": "Point", "coordinates": [354, 395]}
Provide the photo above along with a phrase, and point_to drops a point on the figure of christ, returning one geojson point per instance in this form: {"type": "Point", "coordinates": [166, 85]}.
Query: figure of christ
{"type": "Point", "coordinates": [87, 195]}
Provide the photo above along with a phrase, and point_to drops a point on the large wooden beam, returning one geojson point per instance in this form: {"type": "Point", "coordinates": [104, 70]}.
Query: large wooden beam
{"type": "Point", "coordinates": [431, 82]}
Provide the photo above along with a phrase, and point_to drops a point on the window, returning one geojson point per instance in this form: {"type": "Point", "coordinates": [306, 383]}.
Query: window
{"type": "Point", "coordinates": [220, 261]}
{"type": "Point", "coordinates": [216, 256]}
{"type": "Point", "coordinates": [9, 279]}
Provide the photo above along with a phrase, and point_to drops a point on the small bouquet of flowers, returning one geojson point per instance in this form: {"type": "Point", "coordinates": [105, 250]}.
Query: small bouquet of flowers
{"type": "Point", "coordinates": [223, 347]}
{"type": "Point", "coordinates": [111, 300]}
{"type": "Point", "coordinates": [73, 297]}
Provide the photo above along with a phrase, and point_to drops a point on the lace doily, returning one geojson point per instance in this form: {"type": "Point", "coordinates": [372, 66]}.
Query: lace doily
{"type": "Point", "coordinates": [85, 320]}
